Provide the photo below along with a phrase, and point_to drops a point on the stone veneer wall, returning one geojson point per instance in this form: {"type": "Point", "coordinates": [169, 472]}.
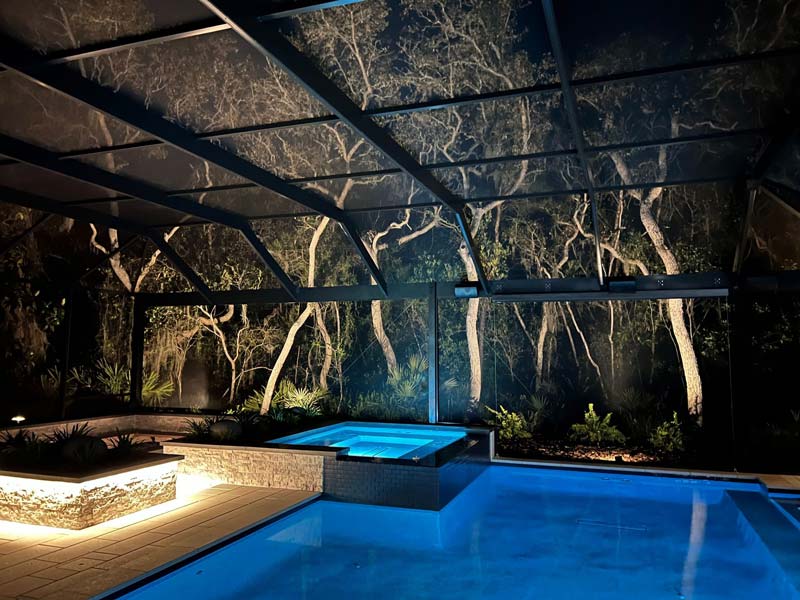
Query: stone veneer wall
{"type": "Point", "coordinates": [250, 465]}
{"type": "Point", "coordinates": [77, 505]}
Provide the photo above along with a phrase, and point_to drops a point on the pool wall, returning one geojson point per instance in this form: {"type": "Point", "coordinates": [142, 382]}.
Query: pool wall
{"type": "Point", "coordinates": [405, 484]}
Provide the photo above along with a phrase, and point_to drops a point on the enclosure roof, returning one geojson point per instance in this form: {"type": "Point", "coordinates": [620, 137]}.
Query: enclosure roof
{"type": "Point", "coordinates": [144, 116]}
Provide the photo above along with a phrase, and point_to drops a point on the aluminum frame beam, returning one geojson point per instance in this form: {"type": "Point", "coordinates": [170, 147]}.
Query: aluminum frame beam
{"type": "Point", "coordinates": [79, 213]}
{"type": "Point", "coordinates": [625, 77]}
{"type": "Point", "coordinates": [525, 196]}
{"type": "Point", "coordinates": [119, 184]}
{"type": "Point", "coordinates": [127, 110]}
{"type": "Point", "coordinates": [712, 137]}
{"type": "Point", "coordinates": [571, 108]}
{"type": "Point", "coordinates": [275, 47]}
{"type": "Point", "coordinates": [567, 289]}
{"type": "Point", "coordinates": [750, 191]}
{"type": "Point", "coordinates": [784, 196]}
{"type": "Point", "coordinates": [178, 32]}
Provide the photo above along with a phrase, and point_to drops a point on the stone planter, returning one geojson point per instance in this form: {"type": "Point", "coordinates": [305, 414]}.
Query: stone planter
{"type": "Point", "coordinates": [77, 502]}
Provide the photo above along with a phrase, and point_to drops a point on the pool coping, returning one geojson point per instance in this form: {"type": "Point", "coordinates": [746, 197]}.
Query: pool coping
{"type": "Point", "coordinates": [132, 585]}
{"type": "Point", "coordinates": [149, 459]}
{"type": "Point", "coordinates": [666, 472]}
{"type": "Point", "coordinates": [435, 459]}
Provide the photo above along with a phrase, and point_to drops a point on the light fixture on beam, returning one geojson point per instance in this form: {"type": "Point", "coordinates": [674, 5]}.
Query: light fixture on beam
{"type": "Point", "coordinates": [466, 290]}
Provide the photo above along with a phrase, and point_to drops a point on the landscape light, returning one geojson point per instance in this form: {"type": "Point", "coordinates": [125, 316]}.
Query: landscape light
{"type": "Point", "coordinates": [18, 419]}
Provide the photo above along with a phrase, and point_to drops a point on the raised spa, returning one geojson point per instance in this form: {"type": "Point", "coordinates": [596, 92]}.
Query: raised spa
{"type": "Point", "coordinates": [379, 440]}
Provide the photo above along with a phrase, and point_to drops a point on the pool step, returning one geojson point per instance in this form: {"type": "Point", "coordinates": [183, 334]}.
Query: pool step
{"type": "Point", "coordinates": [779, 534]}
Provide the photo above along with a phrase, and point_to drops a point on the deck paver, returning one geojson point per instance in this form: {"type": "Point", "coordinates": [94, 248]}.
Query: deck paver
{"type": "Point", "coordinates": [50, 564]}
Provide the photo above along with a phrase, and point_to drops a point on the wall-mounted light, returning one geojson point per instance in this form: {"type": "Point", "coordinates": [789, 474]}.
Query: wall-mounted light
{"type": "Point", "coordinates": [18, 419]}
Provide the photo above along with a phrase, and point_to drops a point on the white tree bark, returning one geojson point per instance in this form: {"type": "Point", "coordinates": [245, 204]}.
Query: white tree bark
{"type": "Point", "coordinates": [291, 336]}
{"type": "Point", "coordinates": [677, 317]}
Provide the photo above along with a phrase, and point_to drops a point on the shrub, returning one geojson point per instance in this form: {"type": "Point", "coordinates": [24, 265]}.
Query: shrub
{"type": "Point", "coordinates": [154, 392]}
{"type": "Point", "coordinates": [124, 444]}
{"type": "Point", "coordinates": [302, 401]}
{"type": "Point", "coordinates": [199, 430]}
{"type": "Point", "coordinates": [21, 446]}
{"type": "Point", "coordinates": [667, 438]}
{"type": "Point", "coordinates": [252, 403]}
{"type": "Point", "coordinates": [112, 378]}
{"type": "Point", "coordinates": [540, 411]}
{"type": "Point", "coordinates": [511, 426]}
{"type": "Point", "coordinates": [638, 412]}
{"type": "Point", "coordinates": [595, 430]}
{"type": "Point", "coordinates": [65, 434]}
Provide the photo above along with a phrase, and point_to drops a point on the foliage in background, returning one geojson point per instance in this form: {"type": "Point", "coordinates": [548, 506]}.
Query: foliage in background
{"type": "Point", "coordinates": [304, 401]}
{"type": "Point", "coordinates": [595, 430]}
{"type": "Point", "coordinates": [667, 438]}
{"type": "Point", "coordinates": [404, 397]}
{"type": "Point", "coordinates": [511, 426]}
{"type": "Point", "coordinates": [639, 413]}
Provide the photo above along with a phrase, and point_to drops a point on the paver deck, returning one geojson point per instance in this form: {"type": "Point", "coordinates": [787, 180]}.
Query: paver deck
{"type": "Point", "coordinates": [43, 563]}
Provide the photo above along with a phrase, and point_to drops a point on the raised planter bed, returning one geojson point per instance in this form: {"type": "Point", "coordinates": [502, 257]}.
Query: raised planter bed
{"type": "Point", "coordinates": [81, 499]}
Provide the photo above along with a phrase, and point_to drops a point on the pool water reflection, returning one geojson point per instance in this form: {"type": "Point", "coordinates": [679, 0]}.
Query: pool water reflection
{"type": "Point", "coordinates": [513, 533]}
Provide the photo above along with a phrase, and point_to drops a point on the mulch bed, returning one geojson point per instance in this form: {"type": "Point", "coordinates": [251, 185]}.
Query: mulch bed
{"type": "Point", "coordinates": [563, 450]}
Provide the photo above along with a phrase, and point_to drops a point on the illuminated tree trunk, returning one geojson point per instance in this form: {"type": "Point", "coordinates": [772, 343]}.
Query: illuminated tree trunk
{"type": "Point", "coordinates": [677, 318]}
{"type": "Point", "coordinates": [327, 362]}
{"type": "Point", "coordinates": [543, 331]}
{"type": "Point", "coordinates": [691, 371]}
{"type": "Point", "coordinates": [385, 343]}
{"type": "Point", "coordinates": [288, 344]}
{"type": "Point", "coordinates": [473, 342]}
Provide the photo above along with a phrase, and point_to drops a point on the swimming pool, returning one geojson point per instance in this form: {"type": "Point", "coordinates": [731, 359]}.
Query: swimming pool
{"type": "Point", "coordinates": [379, 440]}
{"type": "Point", "coordinates": [515, 532]}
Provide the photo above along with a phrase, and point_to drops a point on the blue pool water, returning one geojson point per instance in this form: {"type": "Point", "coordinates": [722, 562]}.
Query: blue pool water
{"type": "Point", "coordinates": [514, 533]}
{"type": "Point", "coordinates": [379, 440]}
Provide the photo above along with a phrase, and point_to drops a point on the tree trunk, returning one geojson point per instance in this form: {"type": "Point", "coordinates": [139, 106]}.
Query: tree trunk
{"type": "Point", "coordinates": [691, 371]}
{"type": "Point", "coordinates": [380, 334]}
{"type": "Point", "coordinates": [543, 331]}
{"type": "Point", "coordinates": [288, 343]}
{"type": "Point", "coordinates": [473, 342]}
{"type": "Point", "coordinates": [326, 340]}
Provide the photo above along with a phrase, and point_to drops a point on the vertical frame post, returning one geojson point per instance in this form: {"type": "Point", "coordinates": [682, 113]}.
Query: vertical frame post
{"type": "Point", "coordinates": [751, 191]}
{"type": "Point", "coordinates": [137, 350]}
{"type": "Point", "coordinates": [69, 301]}
{"type": "Point", "coordinates": [433, 354]}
